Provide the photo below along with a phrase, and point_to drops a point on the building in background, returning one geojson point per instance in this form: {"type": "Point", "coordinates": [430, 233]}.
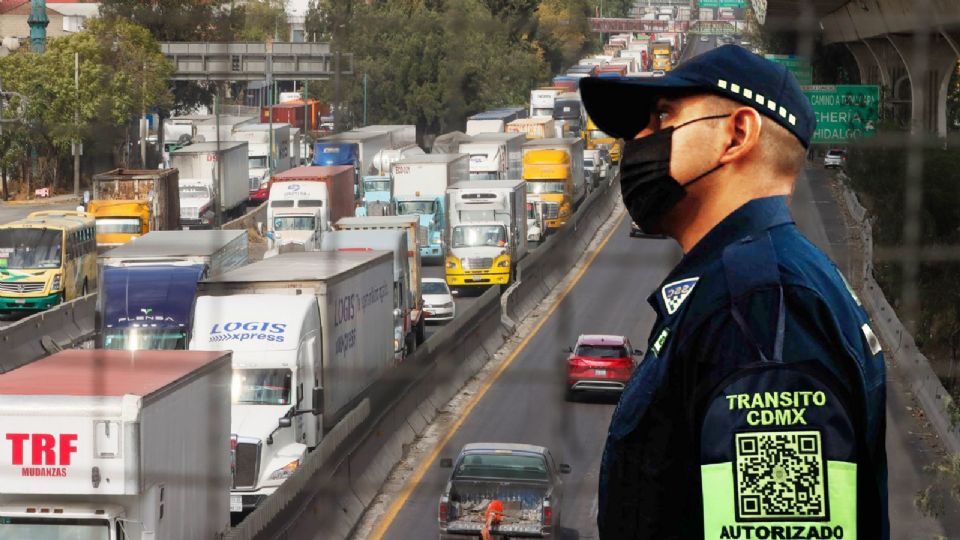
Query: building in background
{"type": "Point", "coordinates": [65, 18]}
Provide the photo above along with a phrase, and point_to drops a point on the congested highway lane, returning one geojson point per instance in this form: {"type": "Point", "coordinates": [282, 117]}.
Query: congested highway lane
{"type": "Point", "coordinates": [526, 403]}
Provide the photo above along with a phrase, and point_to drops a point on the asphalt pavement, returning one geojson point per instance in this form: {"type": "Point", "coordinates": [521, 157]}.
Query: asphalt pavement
{"type": "Point", "coordinates": [14, 211]}
{"type": "Point", "coordinates": [526, 404]}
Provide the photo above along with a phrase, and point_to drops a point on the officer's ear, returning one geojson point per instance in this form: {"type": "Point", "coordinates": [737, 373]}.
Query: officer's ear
{"type": "Point", "coordinates": [743, 130]}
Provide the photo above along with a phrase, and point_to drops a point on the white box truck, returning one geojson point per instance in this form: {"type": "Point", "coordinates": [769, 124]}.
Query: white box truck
{"type": "Point", "coordinates": [487, 232]}
{"type": "Point", "coordinates": [261, 161]}
{"type": "Point", "coordinates": [207, 128]}
{"type": "Point", "coordinates": [198, 165]}
{"type": "Point", "coordinates": [409, 225]}
{"type": "Point", "coordinates": [541, 101]}
{"type": "Point", "coordinates": [410, 326]}
{"type": "Point", "coordinates": [420, 187]}
{"type": "Point", "coordinates": [116, 445]}
{"type": "Point", "coordinates": [495, 156]}
{"type": "Point", "coordinates": [310, 333]}
{"type": "Point", "coordinates": [400, 134]}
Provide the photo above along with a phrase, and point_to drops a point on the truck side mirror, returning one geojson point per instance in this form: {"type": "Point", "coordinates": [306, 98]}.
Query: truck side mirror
{"type": "Point", "coordinates": [317, 399]}
{"type": "Point", "coordinates": [564, 468]}
{"type": "Point", "coordinates": [446, 463]}
{"type": "Point", "coordinates": [285, 422]}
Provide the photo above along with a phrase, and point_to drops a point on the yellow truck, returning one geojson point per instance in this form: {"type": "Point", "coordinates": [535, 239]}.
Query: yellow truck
{"type": "Point", "coordinates": [554, 176]}
{"type": "Point", "coordinates": [595, 139]}
{"type": "Point", "coordinates": [662, 56]}
{"type": "Point", "coordinates": [128, 203]}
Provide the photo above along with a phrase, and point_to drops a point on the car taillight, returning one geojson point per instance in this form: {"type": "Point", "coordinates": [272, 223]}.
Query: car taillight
{"type": "Point", "coordinates": [547, 515]}
{"type": "Point", "coordinates": [442, 511]}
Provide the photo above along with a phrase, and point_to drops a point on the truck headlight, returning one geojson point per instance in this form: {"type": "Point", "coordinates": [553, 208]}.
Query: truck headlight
{"type": "Point", "coordinates": [55, 285]}
{"type": "Point", "coordinates": [452, 262]}
{"type": "Point", "coordinates": [286, 471]}
{"type": "Point", "coordinates": [503, 263]}
{"type": "Point", "coordinates": [396, 344]}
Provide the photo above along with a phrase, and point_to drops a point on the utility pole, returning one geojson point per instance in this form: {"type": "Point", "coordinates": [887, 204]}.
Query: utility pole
{"type": "Point", "coordinates": [76, 122]}
{"type": "Point", "coordinates": [143, 118]}
{"type": "Point", "coordinates": [217, 197]}
{"type": "Point", "coordinates": [270, 104]}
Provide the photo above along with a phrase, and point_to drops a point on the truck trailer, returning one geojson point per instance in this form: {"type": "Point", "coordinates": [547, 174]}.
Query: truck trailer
{"type": "Point", "coordinates": [400, 134]}
{"type": "Point", "coordinates": [148, 287]}
{"type": "Point", "coordinates": [495, 156]}
{"type": "Point", "coordinates": [355, 146]}
{"type": "Point", "coordinates": [409, 327]}
{"type": "Point", "coordinates": [486, 235]}
{"type": "Point", "coordinates": [310, 333]}
{"type": "Point", "coordinates": [494, 120]}
{"type": "Point", "coordinates": [263, 162]}
{"type": "Point", "coordinates": [420, 186]}
{"type": "Point", "coordinates": [198, 164]}
{"type": "Point", "coordinates": [128, 203]}
{"type": "Point", "coordinates": [116, 445]}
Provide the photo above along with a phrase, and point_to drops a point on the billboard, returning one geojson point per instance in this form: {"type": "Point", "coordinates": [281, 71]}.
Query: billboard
{"type": "Point", "coordinates": [844, 111]}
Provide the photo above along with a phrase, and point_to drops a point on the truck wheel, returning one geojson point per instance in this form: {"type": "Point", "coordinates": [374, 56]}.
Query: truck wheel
{"type": "Point", "coordinates": [569, 394]}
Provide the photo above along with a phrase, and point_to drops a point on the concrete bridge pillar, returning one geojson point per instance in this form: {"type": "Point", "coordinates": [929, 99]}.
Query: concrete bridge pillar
{"type": "Point", "coordinates": [889, 71]}
{"type": "Point", "coordinates": [871, 71]}
{"type": "Point", "coordinates": [929, 63]}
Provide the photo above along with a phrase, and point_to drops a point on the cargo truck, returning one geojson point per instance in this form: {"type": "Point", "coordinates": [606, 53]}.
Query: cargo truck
{"type": "Point", "coordinates": [305, 201]}
{"type": "Point", "coordinates": [207, 127]}
{"type": "Point", "coordinates": [494, 120]}
{"type": "Point", "coordinates": [554, 175]}
{"type": "Point", "coordinates": [568, 115]}
{"type": "Point", "coordinates": [495, 156]}
{"type": "Point", "coordinates": [292, 112]}
{"type": "Point", "coordinates": [662, 54]}
{"type": "Point", "coordinates": [408, 295]}
{"type": "Point", "coordinates": [378, 187]}
{"type": "Point", "coordinates": [595, 139]}
{"type": "Point", "coordinates": [128, 203]}
{"type": "Point", "coordinates": [310, 334]}
{"type": "Point", "coordinates": [541, 101]}
{"type": "Point", "coordinates": [198, 165]}
{"type": "Point", "coordinates": [262, 161]}
{"type": "Point", "coordinates": [400, 134]}
{"type": "Point", "coordinates": [540, 127]}
{"type": "Point", "coordinates": [420, 187]}
{"type": "Point", "coordinates": [116, 445]}
{"type": "Point", "coordinates": [148, 287]}
{"type": "Point", "coordinates": [368, 144]}
{"type": "Point", "coordinates": [487, 232]}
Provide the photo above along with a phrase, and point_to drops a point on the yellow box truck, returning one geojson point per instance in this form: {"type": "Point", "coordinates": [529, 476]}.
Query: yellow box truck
{"type": "Point", "coordinates": [595, 139]}
{"type": "Point", "coordinates": [553, 174]}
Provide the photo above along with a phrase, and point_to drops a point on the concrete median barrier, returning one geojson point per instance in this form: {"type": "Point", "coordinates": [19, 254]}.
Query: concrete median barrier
{"type": "Point", "coordinates": [64, 326]}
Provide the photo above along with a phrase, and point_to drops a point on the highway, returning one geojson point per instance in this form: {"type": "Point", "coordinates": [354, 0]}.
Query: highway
{"type": "Point", "coordinates": [11, 212]}
{"type": "Point", "coordinates": [526, 403]}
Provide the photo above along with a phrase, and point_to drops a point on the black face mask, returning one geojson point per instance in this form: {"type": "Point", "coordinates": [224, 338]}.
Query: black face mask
{"type": "Point", "coordinates": [648, 190]}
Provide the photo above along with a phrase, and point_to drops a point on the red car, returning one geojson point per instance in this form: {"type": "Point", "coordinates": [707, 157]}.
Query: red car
{"type": "Point", "coordinates": [600, 363]}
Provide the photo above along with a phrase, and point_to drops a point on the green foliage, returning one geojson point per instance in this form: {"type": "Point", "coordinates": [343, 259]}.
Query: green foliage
{"type": "Point", "coordinates": [263, 20]}
{"type": "Point", "coordinates": [175, 20]}
{"type": "Point", "coordinates": [432, 66]}
{"type": "Point", "coordinates": [122, 74]}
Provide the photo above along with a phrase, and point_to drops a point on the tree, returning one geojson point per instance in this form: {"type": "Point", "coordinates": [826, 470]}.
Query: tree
{"type": "Point", "coordinates": [263, 20]}
{"type": "Point", "coordinates": [122, 74]}
{"type": "Point", "coordinates": [563, 31]}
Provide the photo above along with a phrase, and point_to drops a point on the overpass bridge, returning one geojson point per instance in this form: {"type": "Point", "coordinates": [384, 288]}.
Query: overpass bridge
{"type": "Point", "coordinates": [909, 48]}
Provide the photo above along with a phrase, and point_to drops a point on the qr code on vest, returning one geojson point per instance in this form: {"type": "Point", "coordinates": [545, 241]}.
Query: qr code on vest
{"type": "Point", "coordinates": [780, 476]}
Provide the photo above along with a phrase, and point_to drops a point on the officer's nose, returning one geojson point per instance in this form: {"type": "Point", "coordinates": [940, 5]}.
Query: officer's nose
{"type": "Point", "coordinates": [652, 125]}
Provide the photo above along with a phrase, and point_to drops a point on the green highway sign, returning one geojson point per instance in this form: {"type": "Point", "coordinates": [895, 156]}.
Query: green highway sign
{"type": "Point", "coordinates": [723, 3]}
{"type": "Point", "coordinates": [844, 111]}
{"type": "Point", "coordinates": [799, 66]}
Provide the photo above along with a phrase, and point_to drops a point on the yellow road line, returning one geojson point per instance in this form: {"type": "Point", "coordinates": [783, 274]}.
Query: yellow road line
{"type": "Point", "coordinates": [418, 475]}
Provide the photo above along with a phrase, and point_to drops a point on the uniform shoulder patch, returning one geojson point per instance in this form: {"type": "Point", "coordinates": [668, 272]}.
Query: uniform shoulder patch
{"type": "Point", "coordinates": [675, 293]}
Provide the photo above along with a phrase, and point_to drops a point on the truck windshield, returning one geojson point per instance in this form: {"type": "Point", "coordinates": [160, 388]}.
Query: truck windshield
{"type": "Point", "coordinates": [194, 192]}
{"type": "Point", "coordinates": [406, 208]}
{"type": "Point", "coordinates": [30, 248]}
{"type": "Point", "coordinates": [118, 226]}
{"type": "Point", "coordinates": [294, 223]}
{"type": "Point", "coordinates": [597, 134]}
{"type": "Point", "coordinates": [262, 386]}
{"type": "Point", "coordinates": [20, 528]}
{"type": "Point", "coordinates": [145, 339]}
{"type": "Point", "coordinates": [588, 164]}
{"type": "Point", "coordinates": [512, 466]}
{"type": "Point", "coordinates": [544, 187]}
{"type": "Point", "coordinates": [376, 185]}
{"type": "Point", "coordinates": [257, 162]}
{"type": "Point", "coordinates": [479, 235]}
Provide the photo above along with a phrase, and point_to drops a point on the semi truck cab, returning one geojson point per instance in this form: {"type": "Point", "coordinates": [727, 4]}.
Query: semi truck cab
{"type": "Point", "coordinates": [276, 415]}
{"type": "Point", "coordinates": [66, 519]}
{"type": "Point", "coordinates": [547, 174]}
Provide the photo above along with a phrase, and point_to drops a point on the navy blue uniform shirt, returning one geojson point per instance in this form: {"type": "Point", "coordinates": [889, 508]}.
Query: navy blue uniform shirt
{"type": "Point", "coordinates": [658, 450]}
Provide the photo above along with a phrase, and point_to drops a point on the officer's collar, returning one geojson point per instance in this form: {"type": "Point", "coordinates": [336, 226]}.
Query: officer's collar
{"type": "Point", "coordinates": [753, 217]}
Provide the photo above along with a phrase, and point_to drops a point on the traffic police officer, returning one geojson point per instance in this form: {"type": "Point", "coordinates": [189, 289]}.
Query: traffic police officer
{"type": "Point", "coordinates": [759, 409]}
